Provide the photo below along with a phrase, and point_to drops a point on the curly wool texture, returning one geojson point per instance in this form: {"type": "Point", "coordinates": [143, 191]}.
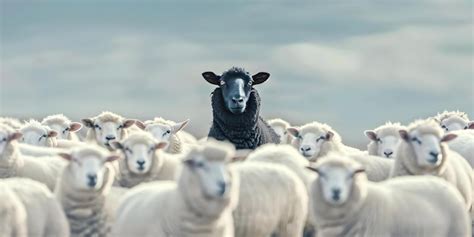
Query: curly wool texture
{"type": "Point", "coordinates": [13, 221]}
{"type": "Point", "coordinates": [85, 210]}
{"type": "Point", "coordinates": [405, 206]}
{"type": "Point", "coordinates": [453, 168]}
{"type": "Point", "coordinates": [247, 130]}
{"type": "Point", "coordinates": [388, 129]}
{"type": "Point", "coordinates": [272, 200]}
{"type": "Point", "coordinates": [44, 215]}
{"type": "Point", "coordinates": [164, 208]}
{"type": "Point", "coordinates": [164, 166]}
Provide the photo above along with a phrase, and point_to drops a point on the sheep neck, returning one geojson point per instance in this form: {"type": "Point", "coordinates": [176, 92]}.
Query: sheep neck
{"type": "Point", "coordinates": [85, 207]}
{"type": "Point", "coordinates": [10, 161]}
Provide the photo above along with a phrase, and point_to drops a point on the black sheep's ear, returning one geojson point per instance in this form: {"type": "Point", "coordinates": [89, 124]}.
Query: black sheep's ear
{"type": "Point", "coordinates": [260, 77]}
{"type": "Point", "coordinates": [212, 78]}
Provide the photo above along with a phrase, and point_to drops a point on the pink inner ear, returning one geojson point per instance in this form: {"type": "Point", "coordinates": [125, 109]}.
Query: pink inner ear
{"type": "Point", "coordinates": [471, 125]}
{"type": "Point", "coordinates": [177, 127]}
{"type": "Point", "coordinates": [140, 124]}
{"type": "Point", "coordinates": [52, 133]}
{"type": "Point", "coordinates": [128, 123]}
{"type": "Point", "coordinates": [293, 131]}
{"type": "Point", "coordinates": [75, 127]}
{"type": "Point", "coordinates": [448, 137]}
{"type": "Point", "coordinates": [112, 158]}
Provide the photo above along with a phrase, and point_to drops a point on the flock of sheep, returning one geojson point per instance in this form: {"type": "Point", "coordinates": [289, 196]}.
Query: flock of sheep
{"type": "Point", "coordinates": [250, 177]}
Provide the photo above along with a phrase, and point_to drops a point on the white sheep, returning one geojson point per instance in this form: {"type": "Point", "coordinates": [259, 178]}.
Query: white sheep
{"type": "Point", "coordinates": [384, 140]}
{"type": "Point", "coordinates": [453, 120]}
{"type": "Point", "coordinates": [37, 134]}
{"type": "Point", "coordinates": [64, 127]}
{"type": "Point", "coordinates": [143, 160]}
{"type": "Point", "coordinates": [83, 190]}
{"type": "Point", "coordinates": [287, 156]}
{"type": "Point", "coordinates": [315, 140]}
{"type": "Point", "coordinates": [345, 203]}
{"type": "Point", "coordinates": [424, 152]}
{"type": "Point", "coordinates": [11, 122]}
{"type": "Point", "coordinates": [200, 203]}
{"type": "Point", "coordinates": [272, 200]}
{"type": "Point", "coordinates": [280, 126]}
{"type": "Point", "coordinates": [44, 215]}
{"type": "Point", "coordinates": [13, 221]}
{"type": "Point", "coordinates": [464, 144]}
{"type": "Point", "coordinates": [15, 164]}
{"type": "Point", "coordinates": [106, 128]}
{"type": "Point", "coordinates": [169, 131]}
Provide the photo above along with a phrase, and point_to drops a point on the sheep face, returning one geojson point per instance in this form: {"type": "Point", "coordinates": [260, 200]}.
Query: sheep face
{"type": "Point", "coordinates": [285, 138]}
{"type": "Point", "coordinates": [309, 143]}
{"type": "Point", "coordinates": [336, 182]}
{"type": "Point", "coordinates": [6, 136]}
{"type": "Point", "coordinates": [213, 175]}
{"type": "Point", "coordinates": [63, 129]}
{"type": "Point", "coordinates": [139, 154]}
{"type": "Point", "coordinates": [426, 146]}
{"type": "Point", "coordinates": [38, 135]}
{"type": "Point", "coordinates": [235, 84]}
{"type": "Point", "coordinates": [160, 131]}
{"type": "Point", "coordinates": [454, 123]}
{"type": "Point", "coordinates": [87, 169]}
{"type": "Point", "coordinates": [109, 130]}
{"type": "Point", "coordinates": [387, 146]}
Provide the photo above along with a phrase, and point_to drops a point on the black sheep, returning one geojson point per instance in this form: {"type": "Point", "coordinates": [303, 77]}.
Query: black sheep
{"type": "Point", "coordinates": [236, 109]}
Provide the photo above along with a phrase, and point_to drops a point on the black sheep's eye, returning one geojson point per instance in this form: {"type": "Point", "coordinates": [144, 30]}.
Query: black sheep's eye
{"type": "Point", "coordinates": [222, 83]}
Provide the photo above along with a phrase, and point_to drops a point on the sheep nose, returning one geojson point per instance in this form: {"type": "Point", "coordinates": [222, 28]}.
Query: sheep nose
{"type": "Point", "coordinates": [435, 155]}
{"type": "Point", "coordinates": [336, 193]}
{"type": "Point", "coordinates": [222, 187]}
{"type": "Point", "coordinates": [305, 148]}
{"type": "Point", "coordinates": [110, 137]}
{"type": "Point", "coordinates": [140, 163]}
{"type": "Point", "coordinates": [238, 99]}
{"type": "Point", "coordinates": [92, 179]}
{"type": "Point", "coordinates": [388, 153]}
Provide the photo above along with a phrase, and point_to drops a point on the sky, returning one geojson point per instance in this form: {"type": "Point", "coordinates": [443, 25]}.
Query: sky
{"type": "Point", "coordinates": [351, 64]}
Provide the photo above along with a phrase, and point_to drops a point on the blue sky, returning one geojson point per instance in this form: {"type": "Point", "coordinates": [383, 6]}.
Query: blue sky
{"type": "Point", "coordinates": [352, 64]}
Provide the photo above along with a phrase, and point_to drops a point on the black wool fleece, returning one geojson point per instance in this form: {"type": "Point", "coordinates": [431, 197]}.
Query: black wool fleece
{"type": "Point", "coordinates": [247, 130]}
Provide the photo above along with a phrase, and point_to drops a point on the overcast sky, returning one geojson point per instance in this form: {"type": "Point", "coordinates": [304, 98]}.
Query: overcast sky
{"type": "Point", "coordinates": [351, 64]}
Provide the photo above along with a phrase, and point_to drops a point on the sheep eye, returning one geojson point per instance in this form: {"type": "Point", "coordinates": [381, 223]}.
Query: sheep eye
{"type": "Point", "coordinates": [128, 150]}
{"type": "Point", "coordinates": [199, 164]}
{"type": "Point", "coordinates": [465, 127]}
{"type": "Point", "coordinates": [119, 127]}
{"type": "Point", "coordinates": [300, 137]}
{"type": "Point", "coordinates": [168, 131]}
{"type": "Point", "coordinates": [444, 127]}
{"type": "Point", "coordinates": [222, 83]}
{"type": "Point", "coordinates": [379, 140]}
{"type": "Point", "coordinates": [415, 139]}
{"type": "Point", "coordinates": [97, 126]}
{"type": "Point", "coordinates": [320, 138]}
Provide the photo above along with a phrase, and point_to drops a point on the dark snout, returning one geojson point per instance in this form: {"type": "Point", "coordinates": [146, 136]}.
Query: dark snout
{"type": "Point", "coordinates": [336, 194]}
{"type": "Point", "coordinates": [434, 157]}
{"type": "Point", "coordinates": [141, 164]}
{"type": "Point", "coordinates": [92, 180]}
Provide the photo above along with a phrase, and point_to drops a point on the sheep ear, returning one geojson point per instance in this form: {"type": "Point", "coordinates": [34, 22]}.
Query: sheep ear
{"type": "Point", "coordinates": [88, 122]}
{"type": "Point", "coordinates": [116, 145]}
{"type": "Point", "coordinates": [161, 145]}
{"type": "Point", "coordinates": [74, 126]}
{"type": "Point", "coordinates": [313, 169]}
{"type": "Point", "coordinates": [65, 156]}
{"type": "Point", "coordinates": [15, 136]}
{"type": "Point", "coordinates": [112, 158]}
{"type": "Point", "coordinates": [371, 135]}
{"type": "Point", "coordinates": [293, 131]}
{"type": "Point", "coordinates": [260, 77]}
{"type": "Point", "coordinates": [128, 123]}
{"type": "Point", "coordinates": [329, 135]}
{"type": "Point", "coordinates": [448, 137]}
{"type": "Point", "coordinates": [140, 124]}
{"type": "Point", "coordinates": [404, 134]}
{"type": "Point", "coordinates": [178, 126]}
{"type": "Point", "coordinates": [470, 125]}
{"type": "Point", "coordinates": [52, 133]}
{"type": "Point", "coordinates": [212, 78]}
